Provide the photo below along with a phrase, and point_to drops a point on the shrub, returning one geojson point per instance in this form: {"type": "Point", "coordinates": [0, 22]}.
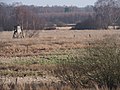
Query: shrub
{"type": "Point", "coordinates": [89, 23]}
{"type": "Point", "coordinates": [99, 66]}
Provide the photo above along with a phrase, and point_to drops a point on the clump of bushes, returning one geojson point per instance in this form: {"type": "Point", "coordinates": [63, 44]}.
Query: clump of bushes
{"type": "Point", "coordinates": [98, 67]}
{"type": "Point", "coordinates": [90, 23]}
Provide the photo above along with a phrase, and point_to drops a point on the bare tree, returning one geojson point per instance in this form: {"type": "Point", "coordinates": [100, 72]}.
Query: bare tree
{"type": "Point", "coordinates": [20, 12]}
{"type": "Point", "coordinates": [107, 12]}
{"type": "Point", "coordinates": [36, 17]}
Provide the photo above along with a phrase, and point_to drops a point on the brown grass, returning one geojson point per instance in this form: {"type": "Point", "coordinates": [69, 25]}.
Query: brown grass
{"type": "Point", "coordinates": [47, 41]}
{"type": "Point", "coordinates": [35, 75]}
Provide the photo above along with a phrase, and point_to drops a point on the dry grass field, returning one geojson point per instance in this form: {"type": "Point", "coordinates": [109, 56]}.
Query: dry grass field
{"type": "Point", "coordinates": [30, 61]}
{"type": "Point", "coordinates": [46, 41]}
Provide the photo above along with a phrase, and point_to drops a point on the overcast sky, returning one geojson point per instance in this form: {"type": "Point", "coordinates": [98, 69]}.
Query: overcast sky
{"type": "Point", "coordinates": [79, 3]}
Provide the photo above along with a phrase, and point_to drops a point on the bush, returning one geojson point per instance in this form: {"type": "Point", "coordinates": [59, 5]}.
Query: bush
{"type": "Point", "coordinates": [99, 66]}
{"type": "Point", "coordinates": [89, 23]}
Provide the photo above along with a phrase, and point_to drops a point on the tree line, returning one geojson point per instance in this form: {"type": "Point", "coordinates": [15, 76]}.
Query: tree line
{"type": "Point", "coordinates": [106, 13]}
{"type": "Point", "coordinates": [38, 17]}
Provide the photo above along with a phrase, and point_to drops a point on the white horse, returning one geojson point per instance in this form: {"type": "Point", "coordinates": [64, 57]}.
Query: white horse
{"type": "Point", "coordinates": [18, 32]}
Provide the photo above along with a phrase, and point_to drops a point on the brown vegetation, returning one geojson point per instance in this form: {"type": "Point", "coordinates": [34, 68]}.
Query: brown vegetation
{"type": "Point", "coordinates": [36, 58]}
{"type": "Point", "coordinates": [48, 41]}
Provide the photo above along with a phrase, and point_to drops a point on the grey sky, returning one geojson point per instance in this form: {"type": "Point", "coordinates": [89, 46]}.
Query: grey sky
{"type": "Point", "coordinates": [79, 3]}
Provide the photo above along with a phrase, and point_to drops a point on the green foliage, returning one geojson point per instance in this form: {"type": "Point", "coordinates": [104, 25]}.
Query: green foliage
{"type": "Point", "coordinates": [45, 60]}
{"type": "Point", "coordinates": [67, 9]}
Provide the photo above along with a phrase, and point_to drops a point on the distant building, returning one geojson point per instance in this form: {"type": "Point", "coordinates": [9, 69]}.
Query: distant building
{"type": "Point", "coordinates": [61, 27]}
{"type": "Point", "coordinates": [50, 27]}
{"type": "Point", "coordinates": [113, 27]}
{"type": "Point", "coordinates": [66, 27]}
